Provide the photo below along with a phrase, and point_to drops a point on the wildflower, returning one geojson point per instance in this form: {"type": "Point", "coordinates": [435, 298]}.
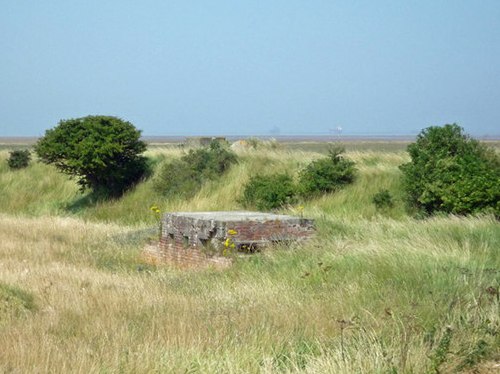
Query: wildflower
{"type": "Point", "coordinates": [232, 232]}
{"type": "Point", "coordinates": [154, 208]}
{"type": "Point", "coordinates": [300, 210]}
{"type": "Point", "coordinates": [227, 242]}
{"type": "Point", "coordinates": [156, 211]}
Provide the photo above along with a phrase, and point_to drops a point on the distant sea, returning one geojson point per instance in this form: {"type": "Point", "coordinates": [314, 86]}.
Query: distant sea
{"type": "Point", "coordinates": [301, 138]}
{"type": "Point", "coordinates": [26, 140]}
{"type": "Point", "coordinates": [282, 138]}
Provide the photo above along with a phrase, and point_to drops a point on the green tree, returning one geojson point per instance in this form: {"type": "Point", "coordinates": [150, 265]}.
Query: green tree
{"type": "Point", "coordinates": [102, 152]}
{"type": "Point", "coordinates": [452, 173]}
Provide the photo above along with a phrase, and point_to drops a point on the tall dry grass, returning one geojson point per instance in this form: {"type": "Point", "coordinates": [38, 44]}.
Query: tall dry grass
{"type": "Point", "coordinates": [374, 292]}
{"type": "Point", "coordinates": [376, 298]}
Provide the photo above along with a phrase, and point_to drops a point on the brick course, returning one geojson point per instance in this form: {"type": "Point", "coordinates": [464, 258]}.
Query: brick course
{"type": "Point", "coordinates": [197, 239]}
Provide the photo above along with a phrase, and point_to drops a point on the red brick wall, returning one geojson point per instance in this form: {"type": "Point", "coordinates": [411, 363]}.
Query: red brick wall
{"type": "Point", "coordinates": [175, 253]}
{"type": "Point", "coordinates": [248, 231]}
{"type": "Point", "coordinates": [195, 254]}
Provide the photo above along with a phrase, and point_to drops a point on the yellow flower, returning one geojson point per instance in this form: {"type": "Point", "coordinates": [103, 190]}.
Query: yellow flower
{"type": "Point", "coordinates": [227, 242]}
{"type": "Point", "coordinates": [232, 232]}
{"type": "Point", "coordinates": [233, 245]}
{"type": "Point", "coordinates": [300, 210]}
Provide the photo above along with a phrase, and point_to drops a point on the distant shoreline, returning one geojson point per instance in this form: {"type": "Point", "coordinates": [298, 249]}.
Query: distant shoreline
{"type": "Point", "coordinates": [286, 138]}
{"type": "Point", "coordinates": [279, 138]}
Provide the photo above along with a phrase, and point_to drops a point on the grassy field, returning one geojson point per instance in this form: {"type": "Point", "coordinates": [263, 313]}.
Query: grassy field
{"type": "Point", "coordinates": [374, 292]}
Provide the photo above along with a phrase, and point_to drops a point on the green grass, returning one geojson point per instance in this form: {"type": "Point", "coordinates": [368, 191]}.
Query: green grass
{"type": "Point", "coordinates": [350, 146]}
{"type": "Point", "coordinates": [40, 189]}
{"type": "Point", "coordinates": [373, 292]}
{"type": "Point", "coordinates": [14, 303]}
{"type": "Point", "coordinates": [35, 190]}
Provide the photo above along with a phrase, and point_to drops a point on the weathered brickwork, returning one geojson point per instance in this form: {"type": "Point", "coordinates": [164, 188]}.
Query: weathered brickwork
{"type": "Point", "coordinates": [204, 239]}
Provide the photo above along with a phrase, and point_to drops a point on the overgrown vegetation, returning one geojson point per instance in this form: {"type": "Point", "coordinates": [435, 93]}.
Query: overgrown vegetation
{"type": "Point", "coordinates": [183, 177]}
{"type": "Point", "coordinates": [19, 159]}
{"type": "Point", "coordinates": [379, 299]}
{"type": "Point", "coordinates": [327, 174]}
{"type": "Point", "coordinates": [267, 192]}
{"type": "Point", "coordinates": [371, 293]}
{"type": "Point", "coordinates": [452, 173]}
{"type": "Point", "coordinates": [102, 152]}
{"type": "Point", "coordinates": [383, 199]}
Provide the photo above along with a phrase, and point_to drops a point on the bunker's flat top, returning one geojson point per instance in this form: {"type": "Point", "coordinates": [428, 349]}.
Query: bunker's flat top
{"type": "Point", "coordinates": [232, 216]}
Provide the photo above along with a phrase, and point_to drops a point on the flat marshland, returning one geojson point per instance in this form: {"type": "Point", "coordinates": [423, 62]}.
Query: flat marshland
{"type": "Point", "coordinates": [376, 291]}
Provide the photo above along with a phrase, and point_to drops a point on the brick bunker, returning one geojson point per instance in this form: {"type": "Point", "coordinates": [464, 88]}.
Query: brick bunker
{"type": "Point", "coordinates": [200, 239]}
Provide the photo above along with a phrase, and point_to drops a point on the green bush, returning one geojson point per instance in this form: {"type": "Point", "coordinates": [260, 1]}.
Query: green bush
{"type": "Point", "coordinates": [327, 174]}
{"type": "Point", "coordinates": [210, 162]}
{"type": "Point", "coordinates": [383, 199]}
{"type": "Point", "coordinates": [184, 176]}
{"type": "Point", "coordinates": [176, 178]}
{"type": "Point", "coordinates": [266, 192]}
{"type": "Point", "coordinates": [19, 159]}
{"type": "Point", "coordinates": [102, 152]}
{"type": "Point", "coordinates": [452, 173]}
{"type": "Point", "coordinates": [320, 176]}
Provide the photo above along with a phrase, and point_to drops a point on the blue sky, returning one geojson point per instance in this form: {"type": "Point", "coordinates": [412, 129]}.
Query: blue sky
{"type": "Point", "coordinates": [251, 67]}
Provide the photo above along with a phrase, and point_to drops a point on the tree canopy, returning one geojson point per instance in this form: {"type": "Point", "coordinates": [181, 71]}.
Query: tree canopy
{"type": "Point", "coordinates": [452, 173]}
{"type": "Point", "coordinates": [102, 152]}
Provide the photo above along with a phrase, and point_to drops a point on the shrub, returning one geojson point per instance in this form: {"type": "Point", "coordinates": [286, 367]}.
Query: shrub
{"type": "Point", "coordinates": [184, 176]}
{"type": "Point", "coordinates": [320, 176]}
{"type": "Point", "coordinates": [210, 162]}
{"type": "Point", "coordinates": [452, 173]}
{"type": "Point", "coordinates": [383, 199]}
{"type": "Point", "coordinates": [102, 152]}
{"type": "Point", "coordinates": [327, 174]}
{"type": "Point", "coordinates": [176, 178]}
{"type": "Point", "coordinates": [269, 191]}
{"type": "Point", "coordinates": [19, 159]}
